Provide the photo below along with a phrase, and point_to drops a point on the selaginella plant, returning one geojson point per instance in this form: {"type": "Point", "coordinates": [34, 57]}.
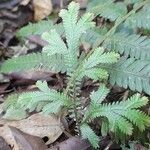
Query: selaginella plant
{"type": "Point", "coordinates": [60, 56]}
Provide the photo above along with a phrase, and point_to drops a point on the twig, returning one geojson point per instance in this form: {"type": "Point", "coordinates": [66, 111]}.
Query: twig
{"type": "Point", "coordinates": [109, 145]}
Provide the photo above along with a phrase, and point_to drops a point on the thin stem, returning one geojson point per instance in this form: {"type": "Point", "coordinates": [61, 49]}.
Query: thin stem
{"type": "Point", "coordinates": [109, 145]}
{"type": "Point", "coordinates": [75, 109]}
{"type": "Point", "coordinates": [99, 42]}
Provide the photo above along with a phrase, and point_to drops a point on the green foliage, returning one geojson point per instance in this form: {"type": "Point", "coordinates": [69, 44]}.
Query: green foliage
{"type": "Point", "coordinates": [74, 28]}
{"type": "Point", "coordinates": [89, 134]}
{"type": "Point", "coordinates": [121, 115]}
{"type": "Point", "coordinates": [63, 55]}
{"type": "Point", "coordinates": [130, 45]}
{"type": "Point", "coordinates": [107, 9]}
{"type": "Point", "coordinates": [34, 61]}
{"type": "Point", "coordinates": [13, 112]}
{"type": "Point", "coordinates": [38, 28]}
{"type": "Point", "coordinates": [98, 57]}
{"type": "Point", "coordinates": [93, 34]}
{"type": "Point", "coordinates": [140, 19]}
{"type": "Point", "coordinates": [130, 73]}
{"type": "Point", "coordinates": [55, 43]}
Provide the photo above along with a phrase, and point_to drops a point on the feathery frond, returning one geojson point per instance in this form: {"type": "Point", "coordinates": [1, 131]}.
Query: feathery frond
{"type": "Point", "coordinates": [107, 9]}
{"type": "Point", "coordinates": [88, 133]}
{"type": "Point", "coordinates": [133, 45]}
{"type": "Point", "coordinates": [55, 43]}
{"type": "Point", "coordinates": [118, 114]}
{"type": "Point", "coordinates": [35, 61]}
{"type": "Point", "coordinates": [99, 56]}
{"type": "Point", "coordinates": [38, 28]}
{"type": "Point", "coordinates": [12, 112]}
{"type": "Point", "coordinates": [74, 28]}
{"type": "Point", "coordinates": [93, 34]}
{"type": "Point", "coordinates": [98, 96]}
{"type": "Point", "coordinates": [96, 74]}
{"type": "Point", "coordinates": [140, 19]}
{"type": "Point", "coordinates": [89, 66]}
{"type": "Point", "coordinates": [31, 100]}
{"type": "Point", "coordinates": [130, 73]}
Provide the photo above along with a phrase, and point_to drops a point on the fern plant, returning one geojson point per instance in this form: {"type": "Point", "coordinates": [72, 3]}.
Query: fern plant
{"type": "Point", "coordinates": [118, 117]}
{"type": "Point", "coordinates": [127, 42]}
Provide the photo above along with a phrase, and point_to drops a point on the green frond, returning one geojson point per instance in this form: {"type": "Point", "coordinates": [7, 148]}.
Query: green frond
{"type": "Point", "coordinates": [31, 100]}
{"type": "Point", "coordinates": [35, 61]}
{"type": "Point", "coordinates": [130, 45]}
{"type": "Point", "coordinates": [10, 101]}
{"type": "Point", "coordinates": [88, 133]}
{"type": "Point", "coordinates": [107, 9]}
{"type": "Point", "coordinates": [73, 31]}
{"type": "Point", "coordinates": [40, 106]}
{"type": "Point", "coordinates": [121, 124]}
{"type": "Point", "coordinates": [93, 34]}
{"type": "Point", "coordinates": [42, 86]}
{"type": "Point", "coordinates": [104, 127]}
{"type": "Point", "coordinates": [121, 115]}
{"type": "Point", "coordinates": [38, 28]}
{"type": "Point", "coordinates": [100, 57]}
{"type": "Point", "coordinates": [85, 23]}
{"type": "Point", "coordinates": [134, 102]}
{"type": "Point", "coordinates": [139, 118]}
{"type": "Point", "coordinates": [140, 19]}
{"type": "Point", "coordinates": [98, 96]}
{"type": "Point", "coordinates": [12, 112]}
{"type": "Point", "coordinates": [96, 74]}
{"type": "Point", "coordinates": [130, 73]}
{"type": "Point", "coordinates": [55, 43]}
{"type": "Point", "coordinates": [54, 95]}
{"type": "Point", "coordinates": [52, 107]}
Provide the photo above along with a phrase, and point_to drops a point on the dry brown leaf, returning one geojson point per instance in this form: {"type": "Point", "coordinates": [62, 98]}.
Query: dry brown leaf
{"type": "Point", "coordinates": [42, 8]}
{"type": "Point", "coordinates": [3, 144]}
{"type": "Point", "coordinates": [36, 125]}
{"type": "Point", "coordinates": [27, 141]}
{"type": "Point", "coordinates": [73, 143]}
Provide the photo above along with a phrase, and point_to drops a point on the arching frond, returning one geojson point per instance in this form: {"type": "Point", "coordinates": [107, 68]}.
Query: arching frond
{"type": "Point", "coordinates": [131, 45]}
{"type": "Point", "coordinates": [140, 19]}
{"type": "Point", "coordinates": [119, 114]}
{"type": "Point", "coordinates": [39, 28]}
{"type": "Point", "coordinates": [107, 9]}
{"type": "Point", "coordinates": [73, 31]}
{"type": "Point", "coordinates": [34, 61]}
{"type": "Point", "coordinates": [131, 73]}
{"type": "Point", "coordinates": [88, 133]}
{"type": "Point", "coordinates": [100, 57]}
{"type": "Point", "coordinates": [55, 43]}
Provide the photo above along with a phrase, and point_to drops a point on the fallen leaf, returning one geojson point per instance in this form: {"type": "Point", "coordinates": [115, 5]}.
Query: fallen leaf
{"type": "Point", "coordinates": [3, 144]}
{"type": "Point", "coordinates": [42, 8]}
{"type": "Point", "coordinates": [36, 125]}
{"type": "Point", "coordinates": [74, 143]}
{"type": "Point", "coordinates": [26, 141]}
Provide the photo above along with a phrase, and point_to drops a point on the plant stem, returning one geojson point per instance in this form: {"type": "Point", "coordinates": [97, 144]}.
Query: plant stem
{"type": "Point", "coordinates": [99, 42]}
{"type": "Point", "coordinates": [109, 145]}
